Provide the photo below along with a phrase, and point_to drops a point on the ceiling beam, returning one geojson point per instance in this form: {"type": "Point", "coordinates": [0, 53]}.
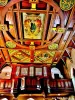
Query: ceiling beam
{"type": "Point", "coordinates": [19, 23]}
{"type": "Point", "coordinates": [5, 51]}
{"type": "Point", "coordinates": [66, 44]}
{"type": "Point", "coordinates": [14, 24]}
{"type": "Point", "coordinates": [46, 24]}
{"type": "Point", "coordinates": [70, 17]}
{"type": "Point", "coordinates": [51, 24]}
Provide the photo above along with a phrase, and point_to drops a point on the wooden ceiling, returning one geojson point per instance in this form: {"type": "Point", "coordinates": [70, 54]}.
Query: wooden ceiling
{"type": "Point", "coordinates": [30, 34]}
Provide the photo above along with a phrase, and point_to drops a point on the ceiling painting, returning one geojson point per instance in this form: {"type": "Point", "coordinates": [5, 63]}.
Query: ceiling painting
{"type": "Point", "coordinates": [53, 46]}
{"type": "Point", "coordinates": [19, 55]}
{"type": "Point", "coordinates": [3, 2]}
{"type": "Point", "coordinates": [10, 44]}
{"type": "Point", "coordinates": [30, 34]}
{"type": "Point", "coordinates": [36, 36]}
{"type": "Point", "coordinates": [66, 4]}
{"type": "Point", "coordinates": [44, 56]}
{"type": "Point", "coordinates": [33, 25]}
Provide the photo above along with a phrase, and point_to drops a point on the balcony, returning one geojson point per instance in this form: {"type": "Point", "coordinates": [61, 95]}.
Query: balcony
{"type": "Point", "coordinates": [36, 85]}
{"type": "Point", "coordinates": [58, 86]}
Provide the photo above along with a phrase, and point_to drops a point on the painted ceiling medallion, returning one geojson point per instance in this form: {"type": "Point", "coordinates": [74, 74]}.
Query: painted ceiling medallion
{"type": "Point", "coordinates": [3, 27]}
{"type": "Point", "coordinates": [3, 2]}
{"type": "Point", "coordinates": [53, 46]}
{"type": "Point", "coordinates": [66, 4]}
{"type": "Point", "coordinates": [10, 44]}
{"type": "Point", "coordinates": [33, 25]}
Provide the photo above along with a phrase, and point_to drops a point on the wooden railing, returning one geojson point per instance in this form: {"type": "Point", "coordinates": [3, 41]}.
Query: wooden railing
{"type": "Point", "coordinates": [59, 86]}
{"type": "Point", "coordinates": [36, 85]}
{"type": "Point", "coordinates": [29, 85]}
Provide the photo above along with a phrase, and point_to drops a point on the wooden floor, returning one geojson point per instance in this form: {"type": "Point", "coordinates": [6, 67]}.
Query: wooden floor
{"type": "Point", "coordinates": [38, 97]}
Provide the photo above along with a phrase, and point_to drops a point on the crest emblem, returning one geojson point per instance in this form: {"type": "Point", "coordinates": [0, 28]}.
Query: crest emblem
{"type": "Point", "coordinates": [33, 26]}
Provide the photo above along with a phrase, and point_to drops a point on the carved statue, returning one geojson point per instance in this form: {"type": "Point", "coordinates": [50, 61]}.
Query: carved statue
{"type": "Point", "coordinates": [70, 64]}
{"type": "Point", "coordinates": [56, 71]}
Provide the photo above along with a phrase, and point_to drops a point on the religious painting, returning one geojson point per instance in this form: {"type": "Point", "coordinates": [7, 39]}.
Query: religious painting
{"type": "Point", "coordinates": [33, 25]}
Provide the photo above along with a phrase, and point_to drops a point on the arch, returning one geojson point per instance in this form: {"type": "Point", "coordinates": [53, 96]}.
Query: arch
{"type": "Point", "coordinates": [5, 72]}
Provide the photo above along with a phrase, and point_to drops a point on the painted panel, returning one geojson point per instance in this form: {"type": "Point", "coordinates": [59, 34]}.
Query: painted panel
{"type": "Point", "coordinates": [3, 2]}
{"type": "Point", "coordinates": [19, 55]}
{"type": "Point", "coordinates": [33, 25]}
{"type": "Point", "coordinates": [43, 56]}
